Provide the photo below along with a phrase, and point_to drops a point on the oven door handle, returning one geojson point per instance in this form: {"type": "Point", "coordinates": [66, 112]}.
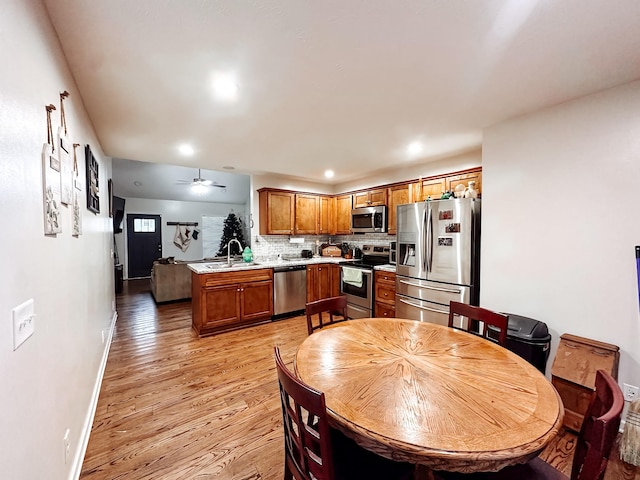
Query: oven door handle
{"type": "Point", "coordinates": [416, 305]}
{"type": "Point", "coordinates": [437, 289]}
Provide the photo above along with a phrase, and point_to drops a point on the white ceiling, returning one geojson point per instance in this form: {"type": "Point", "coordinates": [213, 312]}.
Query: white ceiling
{"type": "Point", "coordinates": [171, 182]}
{"type": "Point", "coordinates": [341, 84]}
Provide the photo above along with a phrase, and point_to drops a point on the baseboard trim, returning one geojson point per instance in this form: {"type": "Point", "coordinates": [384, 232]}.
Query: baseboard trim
{"type": "Point", "coordinates": [76, 469]}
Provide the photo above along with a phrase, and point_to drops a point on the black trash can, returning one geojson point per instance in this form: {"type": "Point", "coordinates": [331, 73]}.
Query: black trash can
{"type": "Point", "coordinates": [530, 339]}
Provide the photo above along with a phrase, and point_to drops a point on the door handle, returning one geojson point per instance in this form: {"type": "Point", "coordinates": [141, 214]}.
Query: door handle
{"type": "Point", "coordinates": [411, 304]}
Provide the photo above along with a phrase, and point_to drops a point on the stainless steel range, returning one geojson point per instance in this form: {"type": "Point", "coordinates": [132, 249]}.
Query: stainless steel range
{"type": "Point", "coordinates": [356, 280]}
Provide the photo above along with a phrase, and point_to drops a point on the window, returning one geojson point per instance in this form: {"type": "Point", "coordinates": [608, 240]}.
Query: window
{"type": "Point", "coordinates": [142, 225]}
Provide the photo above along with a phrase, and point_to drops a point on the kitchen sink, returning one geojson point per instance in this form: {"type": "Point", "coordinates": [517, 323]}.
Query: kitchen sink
{"type": "Point", "coordinates": [226, 266]}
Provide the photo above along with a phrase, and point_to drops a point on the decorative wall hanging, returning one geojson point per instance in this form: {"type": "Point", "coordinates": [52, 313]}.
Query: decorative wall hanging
{"type": "Point", "coordinates": [64, 155]}
{"type": "Point", "coordinates": [51, 182]}
{"type": "Point", "coordinates": [76, 216]}
{"type": "Point", "coordinates": [93, 186]}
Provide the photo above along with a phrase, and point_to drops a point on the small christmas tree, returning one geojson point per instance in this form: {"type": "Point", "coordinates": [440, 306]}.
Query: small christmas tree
{"type": "Point", "coordinates": [232, 229]}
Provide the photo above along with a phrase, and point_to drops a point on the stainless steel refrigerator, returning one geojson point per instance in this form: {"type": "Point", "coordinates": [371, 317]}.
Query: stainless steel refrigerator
{"type": "Point", "coordinates": [438, 257]}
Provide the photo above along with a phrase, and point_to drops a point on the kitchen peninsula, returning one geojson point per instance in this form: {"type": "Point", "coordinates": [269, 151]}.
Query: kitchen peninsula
{"type": "Point", "coordinates": [227, 296]}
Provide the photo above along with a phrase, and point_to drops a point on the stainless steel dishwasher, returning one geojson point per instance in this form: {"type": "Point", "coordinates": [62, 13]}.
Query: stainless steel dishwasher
{"type": "Point", "coordinates": [289, 289]}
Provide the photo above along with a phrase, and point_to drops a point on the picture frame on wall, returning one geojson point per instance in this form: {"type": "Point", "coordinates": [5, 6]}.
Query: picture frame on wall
{"type": "Point", "coordinates": [93, 184]}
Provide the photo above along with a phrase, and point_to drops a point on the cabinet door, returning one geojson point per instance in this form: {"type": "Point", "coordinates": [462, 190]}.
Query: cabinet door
{"type": "Point", "coordinates": [397, 195]}
{"type": "Point", "coordinates": [370, 198]}
{"type": "Point", "coordinates": [306, 214]}
{"type": "Point", "coordinates": [325, 287]}
{"type": "Point", "coordinates": [343, 215]}
{"type": "Point", "coordinates": [326, 208]}
{"type": "Point", "coordinates": [378, 197]}
{"type": "Point", "coordinates": [361, 199]}
{"type": "Point", "coordinates": [276, 213]}
{"type": "Point", "coordinates": [430, 188]}
{"type": "Point", "coordinates": [221, 307]}
{"type": "Point", "coordinates": [256, 300]}
{"type": "Point", "coordinates": [464, 179]}
{"type": "Point", "coordinates": [335, 279]}
{"type": "Point", "coordinates": [312, 283]}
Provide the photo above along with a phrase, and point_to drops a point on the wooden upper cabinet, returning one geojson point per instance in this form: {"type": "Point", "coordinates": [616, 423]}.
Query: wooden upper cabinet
{"type": "Point", "coordinates": [343, 215]}
{"type": "Point", "coordinates": [326, 214]}
{"type": "Point", "coordinates": [277, 212]}
{"type": "Point", "coordinates": [454, 180]}
{"type": "Point", "coordinates": [429, 188]}
{"type": "Point", "coordinates": [396, 195]}
{"type": "Point", "coordinates": [306, 214]}
{"type": "Point", "coordinates": [370, 198]}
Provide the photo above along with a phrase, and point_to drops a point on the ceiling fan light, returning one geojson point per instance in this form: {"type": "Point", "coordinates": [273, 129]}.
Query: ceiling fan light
{"type": "Point", "coordinates": [199, 189]}
{"type": "Point", "coordinates": [206, 182]}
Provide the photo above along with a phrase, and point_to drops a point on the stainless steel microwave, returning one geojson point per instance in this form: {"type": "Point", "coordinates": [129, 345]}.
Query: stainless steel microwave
{"type": "Point", "coordinates": [369, 219]}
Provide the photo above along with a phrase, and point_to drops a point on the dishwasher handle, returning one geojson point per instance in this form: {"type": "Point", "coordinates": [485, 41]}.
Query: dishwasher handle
{"type": "Point", "coordinates": [289, 268]}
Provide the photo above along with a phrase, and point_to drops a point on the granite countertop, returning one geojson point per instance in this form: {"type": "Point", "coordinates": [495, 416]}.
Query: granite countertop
{"type": "Point", "coordinates": [386, 268]}
{"type": "Point", "coordinates": [213, 267]}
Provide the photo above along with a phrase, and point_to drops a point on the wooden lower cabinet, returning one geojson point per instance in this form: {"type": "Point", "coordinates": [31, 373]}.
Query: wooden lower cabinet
{"type": "Point", "coordinates": [323, 281]}
{"type": "Point", "coordinates": [573, 373]}
{"type": "Point", "coordinates": [223, 301]}
{"type": "Point", "coordinates": [385, 296]}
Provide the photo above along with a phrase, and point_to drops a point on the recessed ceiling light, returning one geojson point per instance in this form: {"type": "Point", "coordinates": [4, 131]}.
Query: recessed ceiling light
{"type": "Point", "coordinates": [137, 183]}
{"type": "Point", "coordinates": [185, 149]}
{"type": "Point", "coordinates": [328, 174]}
{"type": "Point", "coordinates": [414, 148]}
{"type": "Point", "coordinates": [225, 87]}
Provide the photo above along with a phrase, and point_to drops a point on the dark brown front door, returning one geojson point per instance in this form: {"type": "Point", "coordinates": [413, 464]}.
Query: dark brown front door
{"type": "Point", "coordinates": [144, 243]}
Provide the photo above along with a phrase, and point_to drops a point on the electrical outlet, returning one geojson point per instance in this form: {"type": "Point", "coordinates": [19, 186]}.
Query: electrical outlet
{"type": "Point", "coordinates": [67, 445]}
{"type": "Point", "coordinates": [630, 392]}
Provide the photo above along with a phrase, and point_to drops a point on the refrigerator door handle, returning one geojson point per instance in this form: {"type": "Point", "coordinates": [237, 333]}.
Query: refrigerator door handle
{"type": "Point", "coordinates": [421, 307]}
{"type": "Point", "coordinates": [425, 247]}
{"type": "Point", "coordinates": [430, 239]}
{"type": "Point", "coordinates": [447, 290]}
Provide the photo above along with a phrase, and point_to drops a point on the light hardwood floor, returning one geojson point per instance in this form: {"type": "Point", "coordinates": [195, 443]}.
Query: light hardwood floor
{"type": "Point", "coordinates": [173, 406]}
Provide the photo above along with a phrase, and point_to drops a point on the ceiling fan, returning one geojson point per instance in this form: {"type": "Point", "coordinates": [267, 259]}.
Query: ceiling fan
{"type": "Point", "coordinates": [201, 182]}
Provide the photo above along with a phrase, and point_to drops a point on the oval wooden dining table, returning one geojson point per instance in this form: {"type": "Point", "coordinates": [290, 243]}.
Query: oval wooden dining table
{"type": "Point", "coordinates": [429, 394]}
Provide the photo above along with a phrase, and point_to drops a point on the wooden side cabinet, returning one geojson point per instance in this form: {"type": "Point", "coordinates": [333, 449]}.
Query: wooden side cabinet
{"type": "Point", "coordinates": [396, 195]}
{"type": "Point", "coordinates": [573, 373]}
{"type": "Point", "coordinates": [306, 214]}
{"type": "Point", "coordinates": [223, 301]}
{"type": "Point", "coordinates": [343, 215]}
{"type": "Point", "coordinates": [385, 297]}
{"type": "Point", "coordinates": [277, 212]}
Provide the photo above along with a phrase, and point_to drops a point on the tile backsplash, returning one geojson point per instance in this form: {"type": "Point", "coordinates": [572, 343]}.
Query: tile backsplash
{"type": "Point", "coordinates": [268, 247]}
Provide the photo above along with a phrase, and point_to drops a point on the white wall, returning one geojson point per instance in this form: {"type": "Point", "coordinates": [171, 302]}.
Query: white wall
{"type": "Point", "coordinates": [174, 211]}
{"type": "Point", "coordinates": [48, 383]}
{"type": "Point", "coordinates": [560, 220]}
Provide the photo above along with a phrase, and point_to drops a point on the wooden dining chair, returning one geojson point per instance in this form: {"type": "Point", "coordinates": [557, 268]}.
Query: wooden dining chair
{"type": "Point", "coordinates": [480, 321]}
{"type": "Point", "coordinates": [313, 450]}
{"type": "Point", "coordinates": [327, 307]}
{"type": "Point", "coordinates": [596, 437]}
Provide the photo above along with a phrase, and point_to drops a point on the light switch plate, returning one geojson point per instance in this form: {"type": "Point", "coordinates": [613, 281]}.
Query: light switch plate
{"type": "Point", "coordinates": [23, 322]}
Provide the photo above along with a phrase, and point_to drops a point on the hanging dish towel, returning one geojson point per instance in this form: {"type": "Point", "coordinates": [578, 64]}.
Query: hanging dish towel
{"type": "Point", "coordinates": [182, 238]}
{"type": "Point", "coordinates": [352, 276]}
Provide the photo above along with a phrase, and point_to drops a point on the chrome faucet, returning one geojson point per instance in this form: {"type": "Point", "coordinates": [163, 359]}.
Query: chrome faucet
{"type": "Point", "coordinates": [229, 249]}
